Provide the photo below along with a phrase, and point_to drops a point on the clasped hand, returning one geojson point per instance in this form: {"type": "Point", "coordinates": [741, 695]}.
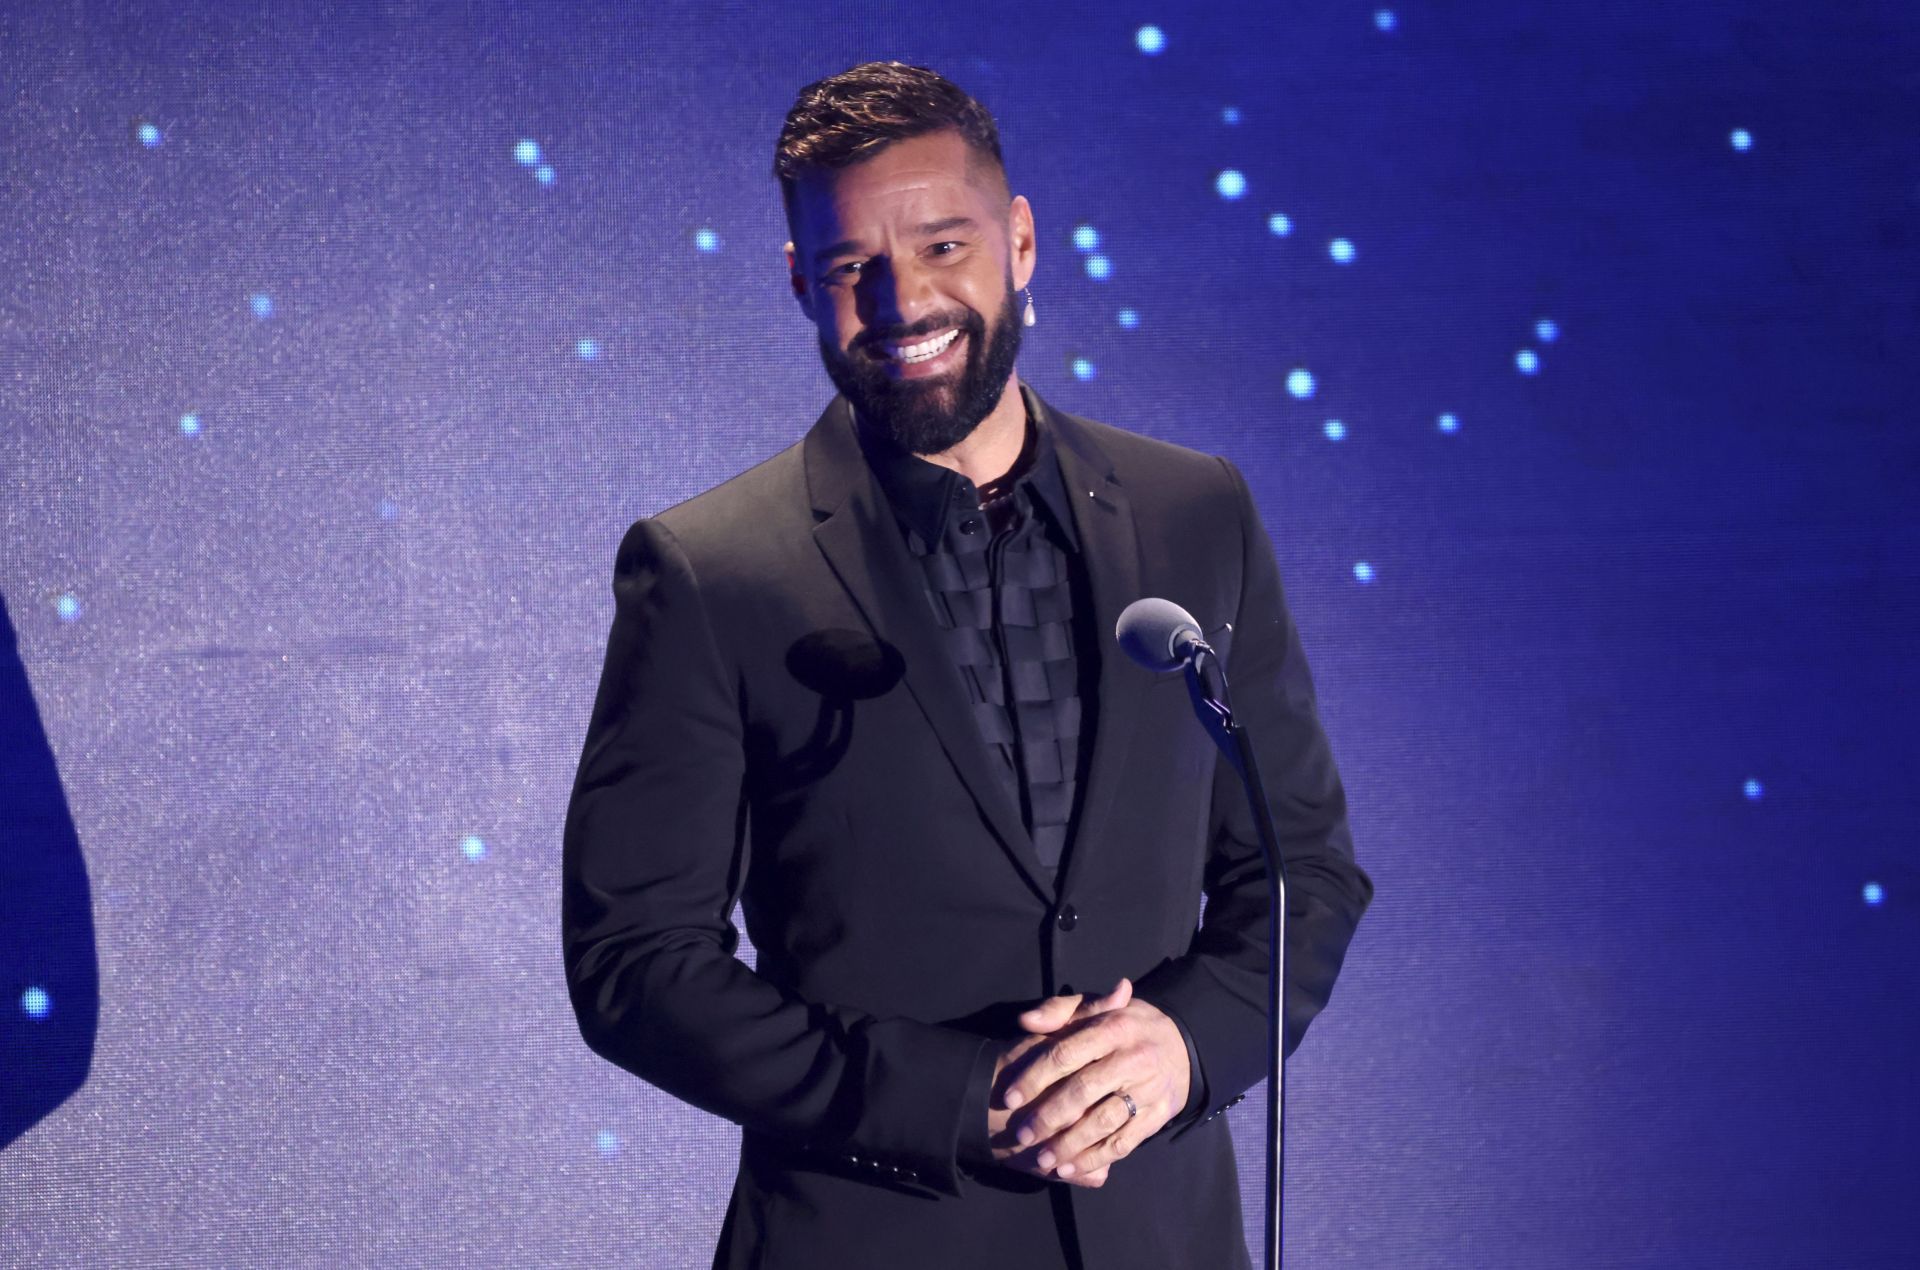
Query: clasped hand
{"type": "Point", "coordinates": [1054, 1110]}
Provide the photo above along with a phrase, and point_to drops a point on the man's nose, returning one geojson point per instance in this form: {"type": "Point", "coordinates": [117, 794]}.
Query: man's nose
{"type": "Point", "coordinates": [898, 294]}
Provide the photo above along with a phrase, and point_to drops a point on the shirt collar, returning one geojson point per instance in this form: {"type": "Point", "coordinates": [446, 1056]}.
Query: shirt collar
{"type": "Point", "coordinates": [924, 495]}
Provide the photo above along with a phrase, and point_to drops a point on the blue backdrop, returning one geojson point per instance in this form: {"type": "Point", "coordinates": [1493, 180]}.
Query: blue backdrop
{"type": "Point", "coordinates": [1569, 351]}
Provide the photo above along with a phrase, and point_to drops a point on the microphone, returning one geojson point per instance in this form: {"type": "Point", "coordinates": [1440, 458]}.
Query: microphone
{"type": "Point", "coordinates": [1159, 634]}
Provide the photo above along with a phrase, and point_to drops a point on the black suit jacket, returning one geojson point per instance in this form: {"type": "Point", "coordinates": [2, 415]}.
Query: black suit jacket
{"type": "Point", "coordinates": [779, 723]}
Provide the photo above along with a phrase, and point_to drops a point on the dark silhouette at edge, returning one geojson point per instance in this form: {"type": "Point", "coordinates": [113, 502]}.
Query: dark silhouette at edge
{"type": "Point", "coordinates": [49, 973]}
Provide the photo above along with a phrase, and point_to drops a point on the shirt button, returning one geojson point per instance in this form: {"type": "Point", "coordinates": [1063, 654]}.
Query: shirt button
{"type": "Point", "coordinates": [970, 525]}
{"type": "Point", "coordinates": [1068, 918]}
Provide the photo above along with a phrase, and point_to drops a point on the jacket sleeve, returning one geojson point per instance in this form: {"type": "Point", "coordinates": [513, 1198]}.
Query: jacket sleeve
{"type": "Point", "coordinates": [654, 857]}
{"type": "Point", "coordinates": [1218, 989]}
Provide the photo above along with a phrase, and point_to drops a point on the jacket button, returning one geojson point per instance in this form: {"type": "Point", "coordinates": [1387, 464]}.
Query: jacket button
{"type": "Point", "coordinates": [1068, 918]}
{"type": "Point", "coordinates": [970, 526]}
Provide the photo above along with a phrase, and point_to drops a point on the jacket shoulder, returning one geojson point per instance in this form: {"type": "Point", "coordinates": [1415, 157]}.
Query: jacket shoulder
{"type": "Point", "coordinates": [735, 538]}
{"type": "Point", "coordinates": [746, 505]}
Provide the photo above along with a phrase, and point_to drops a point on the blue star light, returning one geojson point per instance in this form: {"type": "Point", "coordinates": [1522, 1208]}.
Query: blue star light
{"type": "Point", "coordinates": [1230, 184]}
{"type": "Point", "coordinates": [1385, 20]}
{"type": "Point", "coordinates": [1547, 329]}
{"type": "Point", "coordinates": [261, 303]}
{"type": "Point", "coordinates": [1449, 423]}
{"type": "Point", "coordinates": [1082, 369]}
{"type": "Point", "coordinates": [1129, 319]}
{"type": "Point", "coordinates": [1363, 572]}
{"type": "Point", "coordinates": [1099, 267]}
{"type": "Point", "coordinates": [1230, 114]}
{"type": "Point", "coordinates": [189, 425]}
{"type": "Point", "coordinates": [473, 847]}
{"type": "Point", "coordinates": [587, 349]}
{"type": "Point", "coordinates": [1742, 140]}
{"type": "Point", "coordinates": [1085, 236]}
{"type": "Point", "coordinates": [1874, 894]}
{"type": "Point", "coordinates": [68, 607]}
{"type": "Point", "coordinates": [149, 135]}
{"type": "Point", "coordinates": [706, 240]}
{"type": "Point", "coordinates": [1300, 384]}
{"type": "Point", "coordinates": [1335, 430]}
{"type": "Point", "coordinates": [1150, 40]}
{"type": "Point", "coordinates": [387, 509]}
{"type": "Point", "coordinates": [607, 1143]}
{"type": "Point", "coordinates": [1279, 224]}
{"type": "Point", "coordinates": [544, 174]}
{"type": "Point", "coordinates": [35, 1003]}
{"type": "Point", "coordinates": [526, 152]}
{"type": "Point", "coordinates": [1341, 250]}
{"type": "Point", "coordinates": [1753, 790]}
{"type": "Point", "coordinates": [1527, 361]}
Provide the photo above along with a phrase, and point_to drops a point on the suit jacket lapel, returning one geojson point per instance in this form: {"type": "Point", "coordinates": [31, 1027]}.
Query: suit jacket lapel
{"type": "Point", "coordinates": [861, 540]}
{"type": "Point", "coordinates": [1110, 548]}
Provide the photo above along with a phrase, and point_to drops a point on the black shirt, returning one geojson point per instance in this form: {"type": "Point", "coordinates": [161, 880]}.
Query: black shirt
{"type": "Point", "coordinates": [1003, 578]}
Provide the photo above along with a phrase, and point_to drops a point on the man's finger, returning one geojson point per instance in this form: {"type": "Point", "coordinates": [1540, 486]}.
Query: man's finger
{"type": "Point", "coordinates": [1056, 1061]}
{"type": "Point", "coordinates": [1117, 999]}
{"type": "Point", "coordinates": [1078, 1147]}
{"type": "Point", "coordinates": [1061, 1109]}
{"type": "Point", "coordinates": [1100, 1156]}
{"type": "Point", "coordinates": [1056, 1012]}
{"type": "Point", "coordinates": [1051, 1015]}
{"type": "Point", "coordinates": [1043, 1020]}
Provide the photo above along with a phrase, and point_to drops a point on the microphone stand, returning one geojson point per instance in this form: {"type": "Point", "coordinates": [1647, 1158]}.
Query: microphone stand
{"type": "Point", "coordinates": [1207, 685]}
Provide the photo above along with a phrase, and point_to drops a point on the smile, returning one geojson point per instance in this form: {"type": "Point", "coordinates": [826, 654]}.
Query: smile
{"type": "Point", "coordinates": [924, 351]}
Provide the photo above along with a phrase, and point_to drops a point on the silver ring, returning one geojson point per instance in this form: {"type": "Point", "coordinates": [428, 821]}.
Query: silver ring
{"type": "Point", "coordinates": [1125, 1097]}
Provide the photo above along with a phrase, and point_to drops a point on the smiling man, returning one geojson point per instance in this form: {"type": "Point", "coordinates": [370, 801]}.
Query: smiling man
{"type": "Point", "coordinates": [928, 216]}
{"type": "Point", "coordinates": [867, 690]}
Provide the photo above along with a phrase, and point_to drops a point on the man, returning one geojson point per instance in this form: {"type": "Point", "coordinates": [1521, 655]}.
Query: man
{"type": "Point", "coordinates": [868, 689]}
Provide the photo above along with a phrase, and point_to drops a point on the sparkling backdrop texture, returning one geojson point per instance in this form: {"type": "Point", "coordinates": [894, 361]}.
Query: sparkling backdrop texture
{"type": "Point", "coordinates": [1570, 351]}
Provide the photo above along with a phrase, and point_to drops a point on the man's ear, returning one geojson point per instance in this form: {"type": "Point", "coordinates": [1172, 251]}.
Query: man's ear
{"type": "Point", "coordinates": [799, 282]}
{"type": "Point", "coordinates": [1020, 237]}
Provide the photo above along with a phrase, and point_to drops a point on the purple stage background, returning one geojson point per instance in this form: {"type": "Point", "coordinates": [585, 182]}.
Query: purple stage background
{"type": "Point", "coordinates": [1570, 351]}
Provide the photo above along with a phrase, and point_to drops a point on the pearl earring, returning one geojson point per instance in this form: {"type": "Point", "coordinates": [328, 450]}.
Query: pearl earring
{"type": "Point", "coordinates": [1026, 319]}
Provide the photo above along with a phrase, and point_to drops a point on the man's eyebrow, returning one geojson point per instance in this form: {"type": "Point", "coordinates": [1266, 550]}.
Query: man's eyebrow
{"type": "Point", "coordinates": [942, 226]}
{"type": "Point", "coordinates": [848, 245]}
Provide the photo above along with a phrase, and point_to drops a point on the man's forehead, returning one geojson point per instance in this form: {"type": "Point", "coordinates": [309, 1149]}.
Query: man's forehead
{"type": "Point", "coordinates": [928, 180]}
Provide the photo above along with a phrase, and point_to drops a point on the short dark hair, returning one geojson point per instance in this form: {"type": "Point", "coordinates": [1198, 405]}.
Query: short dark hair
{"type": "Point", "coordinates": [843, 119]}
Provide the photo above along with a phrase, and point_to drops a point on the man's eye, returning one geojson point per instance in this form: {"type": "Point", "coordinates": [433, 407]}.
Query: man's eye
{"type": "Point", "coordinates": [945, 248]}
{"type": "Point", "coordinates": [848, 269]}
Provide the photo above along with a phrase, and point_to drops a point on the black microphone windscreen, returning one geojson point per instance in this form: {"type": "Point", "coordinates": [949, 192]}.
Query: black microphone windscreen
{"type": "Point", "coordinates": [1151, 630]}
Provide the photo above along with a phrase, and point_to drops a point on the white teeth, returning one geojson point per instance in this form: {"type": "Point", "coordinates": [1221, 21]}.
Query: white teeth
{"type": "Point", "coordinates": [924, 351]}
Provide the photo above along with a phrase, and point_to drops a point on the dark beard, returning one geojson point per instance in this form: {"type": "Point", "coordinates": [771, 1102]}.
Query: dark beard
{"type": "Point", "coordinates": [930, 416]}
